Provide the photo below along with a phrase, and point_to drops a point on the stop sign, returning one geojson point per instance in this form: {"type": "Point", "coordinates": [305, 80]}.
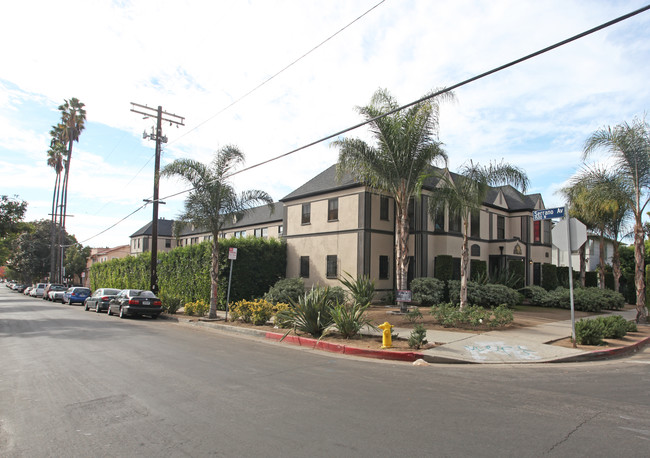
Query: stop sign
{"type": "Point", "coordinates": [561, 237]}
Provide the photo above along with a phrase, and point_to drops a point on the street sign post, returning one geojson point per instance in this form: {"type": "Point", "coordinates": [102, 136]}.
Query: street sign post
{"type": "Point", "coordinates": [574, 230]}
{"type": "Point", "coordinates": [232, 255]}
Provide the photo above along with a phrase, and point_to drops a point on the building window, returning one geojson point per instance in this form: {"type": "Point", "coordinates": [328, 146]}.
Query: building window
{"type": "Point", "coordinates": [331, 266]}
{"type": "Point", "coordinates": [306, 213]}
{"type": "Point", "coordinates": [501, 227]}
{"type": "Point", "coordinates": [222, 235]}
{"type": "Point", "coordinates": [333, 209]}
{"type": "Point", "coordinates": [524, 229]}
{"type": "Point", "coordinates": [547, 231]}
{"type": "Point", "coordinates": [410, 213]}
{"type": "Point", "coordinates": [257, 232]}
{"type": "Point", "coordinates": [454, 220]}
{"type": "Point", "coordinates": [168, 243]}
{"type": "Point", "coordinates": [138, 244]}
{"type": "Point", "coordinates": [475, 223]}
{"type": "Point", "coordinates": [265, 232]}
{"type": "Point", "coordinates": [537, 227]}
{"type": "Point", "coordinates": [280, 231]}
{"type": "Point", "coordinates": [475, 250]}
{"type": "Point", "coordinates": [194, 241]}
{"type": "Point", "coordinates": [304, 266]}
{"type": "Point", "coordinates": [145, 244]}
{"type": "Point", "coordinates": [439, 220]}
{"type": "Point", "coordinates": [383, 208]}
{"type": "Point", "coordinates": [383, 267]}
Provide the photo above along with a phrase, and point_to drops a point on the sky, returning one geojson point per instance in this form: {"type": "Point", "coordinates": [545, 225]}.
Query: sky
{"type": "Point", "coordinates": [271, 76]}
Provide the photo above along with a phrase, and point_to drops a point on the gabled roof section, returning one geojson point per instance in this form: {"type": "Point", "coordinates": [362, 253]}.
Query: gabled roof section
{"type": "Point", "coordinates": [322, 183]}
{"type": "Point", "coordinates": [254, 217]}
{"type": "Point", "coordinates": [164, 228]}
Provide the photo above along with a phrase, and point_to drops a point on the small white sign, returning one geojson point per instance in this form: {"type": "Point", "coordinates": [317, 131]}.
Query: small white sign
{"type": "Point", "coordinates": [232, 253]}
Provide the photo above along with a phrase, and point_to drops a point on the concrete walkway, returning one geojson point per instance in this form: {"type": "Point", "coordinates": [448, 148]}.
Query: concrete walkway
{"type": "Point", "coordinates": [522, 345]}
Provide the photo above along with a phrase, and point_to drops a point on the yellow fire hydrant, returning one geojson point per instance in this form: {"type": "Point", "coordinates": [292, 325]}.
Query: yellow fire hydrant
{"type": "Point", "coordinates": [386, 338]}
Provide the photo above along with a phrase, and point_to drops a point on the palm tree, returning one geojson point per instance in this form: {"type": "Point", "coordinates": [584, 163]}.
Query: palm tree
{"type": "Point", "coordinates": [55, 159]}
{"type": "Point", "coordinates": [629, 147]}
{"type": "Point", "coordinates": [465, 193]}
{"type": "Point", "coordinates": [213, 201]}
{"type": "Point", "coordinates": [73, 119]}
{"type": "Point", "coordinates": [602, 198]}
{"type": "Point", "coordinates": [407, 147]}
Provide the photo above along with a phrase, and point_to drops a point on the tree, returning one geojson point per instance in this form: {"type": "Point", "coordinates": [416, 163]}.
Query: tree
{"type": "Point", "coordinates": [407, 147]}
{"type": "Point", "coordinates": [56, 159]}
{"type": "Point", "coordinates": [76, 260]}
{"type": "Point", "coordinates": [628, 146]}
{"type": "Point", "coordinates": [12, 212]}
{"type": "Point", "coordinates": [213, 201]}
{"type": "Point", "coordinates": [464, 194]}
{"type": "Point", "coordinates": [602, 197]}
{"type": "Point", "coordinates": [30, 254]}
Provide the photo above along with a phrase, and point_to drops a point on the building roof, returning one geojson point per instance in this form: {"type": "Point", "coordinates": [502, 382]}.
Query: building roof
{"type": "Point", "coordinates": [255, 216]}
{"type": "Point", "coordinates": [327, 181]}
{"type": "Point", "coordinates": [164, 228]}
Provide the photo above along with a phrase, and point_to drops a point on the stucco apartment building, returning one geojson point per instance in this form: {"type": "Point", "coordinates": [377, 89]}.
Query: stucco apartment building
{"type": "Point", "coordinates": [335, 226]}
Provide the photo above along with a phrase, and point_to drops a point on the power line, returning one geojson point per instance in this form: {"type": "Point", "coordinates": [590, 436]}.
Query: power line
{"type": "Point", "coordinates": [277, 73]}
{"type": "Point", "coordinates": [435, 94]}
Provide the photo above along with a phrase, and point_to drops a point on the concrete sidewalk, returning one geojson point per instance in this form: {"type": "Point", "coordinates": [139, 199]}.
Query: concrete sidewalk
{"type": "Point", "coordinates": [522, 345]}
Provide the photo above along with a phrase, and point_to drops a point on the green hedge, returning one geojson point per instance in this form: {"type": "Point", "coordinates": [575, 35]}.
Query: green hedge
{"type": "Point", "coordinates": [516, 268]}
{"type": "Point", "coordinates": [549, 277]}
{"type": "Point", "coordinates": [563, 276]}
{"type": "Point", "coordinates": [477, 269]}
{"type": "Point", "coordinates": [488, 295]}
{"type": "Point", "coordinates": [184, 273]}
{"type": "Point", "coordinates": [444, 267]}
{"type": "Point", "coordinates": [584, 299]}
{"type": "Point", "coordinates": [591, 279]}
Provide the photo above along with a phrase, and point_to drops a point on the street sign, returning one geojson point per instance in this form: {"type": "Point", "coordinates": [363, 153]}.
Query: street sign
{"type": "Point", "coordinates": [403, 295]}
{"type": "Point", "coordinates": [560, 235]}
{"type": "Point", "coordinates": [548, 213]}
{"type": "Point", "coordinates": [232, 253]}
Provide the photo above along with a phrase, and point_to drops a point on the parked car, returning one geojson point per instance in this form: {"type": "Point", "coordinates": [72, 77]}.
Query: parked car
{"type": "Point", "coordinates": [49, 286]}
{"type": "Point", "coordinates": [20, 288]}
{"type": "Point", "coordinates": [37, 290]}
{"type": "Point", "coordinates": [56, 293]}
{"type": "Point", "coordinates": [100, 299]}
{"type": "Point", "coordinates": [75, 294]}
{"type": "Point", "coordinates": [135, 302]}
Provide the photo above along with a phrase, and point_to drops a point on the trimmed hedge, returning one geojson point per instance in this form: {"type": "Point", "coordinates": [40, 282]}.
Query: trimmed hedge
{"type": "Point", "coordinates": [428, 291]}
{"type": "Point", "coordinates": [184, 272]}
{"type": "Point", "coordinates": [516, 268]}
{"type": "Point", "coordinates": [488, 295]}
{"type": "Point", "coordinates": [563, 276]}
{"type": "Point", "coordinates": [591, 279]}
{"type": "Point", "coordinates": [444, 267]}
{"type": "Point", "coordinates": [477, 269]}
{"type": "Point", "coordinates": [549, 277]}
{"type": "Point", "coordinates": [584, 299]}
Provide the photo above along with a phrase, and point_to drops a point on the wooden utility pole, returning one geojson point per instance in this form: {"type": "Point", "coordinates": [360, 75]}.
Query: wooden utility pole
{"type": "Point", "coordinates": [160, 116]}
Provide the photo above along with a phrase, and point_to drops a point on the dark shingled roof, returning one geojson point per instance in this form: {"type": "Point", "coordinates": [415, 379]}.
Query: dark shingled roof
{"type": "Point", "coordinates": [327, 181]}
{"type": "Point", "coordinates": [164, 228]}
{"type": "Point", "coordinates": [255, 216]}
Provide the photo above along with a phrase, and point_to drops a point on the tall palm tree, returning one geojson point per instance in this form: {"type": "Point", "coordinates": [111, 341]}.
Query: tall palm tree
{"type": "Point", "coordinates": [213, 201]}
{"type": "Point", "coordinates": [407, 147]}
{"type": "Point", "coordinates": [55, 158]}
{"type": "Point", "coordinates": [629, 147]}
{"type": "Point", "coordinates": [602, 198]}
{"type": "Point", "coordinates": [465, 193]}
{"type": "Point", "coordinates": [73, 119]}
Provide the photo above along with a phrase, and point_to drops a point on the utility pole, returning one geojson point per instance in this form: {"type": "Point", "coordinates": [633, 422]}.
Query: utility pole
{"type": "Point", "coordinates": [160, 116]}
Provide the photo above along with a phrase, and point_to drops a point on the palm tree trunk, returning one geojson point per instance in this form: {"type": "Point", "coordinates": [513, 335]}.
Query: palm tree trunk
{"type": "Point", "coordinates": [55, 202]}
{"type": "Point", "coordinates": [601, 259]}
{"type": "Point", "coordinates": [464, 266]}
{"type": "Point", "coordinates": [214, 277]}
{"type": "Point", "coordinates": [616, 266]}
{"type": "Point", "coordinates": [583, 260]}
{"type": "Point", "coordinates": [401, 247]}
{"type": "Point", "coordinates": [639, 261]}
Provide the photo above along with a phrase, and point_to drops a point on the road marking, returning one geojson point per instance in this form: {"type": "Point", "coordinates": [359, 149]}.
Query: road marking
{"type": "Point", "coordinates": [638, 362]}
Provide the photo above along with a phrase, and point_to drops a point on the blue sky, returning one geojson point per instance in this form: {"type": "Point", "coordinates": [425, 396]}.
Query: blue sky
{"type": "Point", "coordinates": [195, 58]}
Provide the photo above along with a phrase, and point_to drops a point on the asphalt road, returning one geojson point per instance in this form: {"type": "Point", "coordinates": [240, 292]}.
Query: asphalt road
{"type": "Point", "coordinates": [81, 384]}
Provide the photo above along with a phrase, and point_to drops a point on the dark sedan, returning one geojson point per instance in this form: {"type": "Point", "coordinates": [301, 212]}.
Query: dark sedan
{"type": "Point", "coordinates": [100, 299]}
{"type": "Point", "coordinates": [130, 302]}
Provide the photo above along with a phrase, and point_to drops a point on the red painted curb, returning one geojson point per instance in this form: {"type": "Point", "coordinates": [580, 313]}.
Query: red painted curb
{"type": "Point", "coordinates": [619, 350]}
{"type": "Point", "coordinates": [407, 356]}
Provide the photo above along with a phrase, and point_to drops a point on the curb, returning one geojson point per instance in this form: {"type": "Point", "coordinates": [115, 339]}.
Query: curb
{"type": "Point", "coordinates": [605, 354]}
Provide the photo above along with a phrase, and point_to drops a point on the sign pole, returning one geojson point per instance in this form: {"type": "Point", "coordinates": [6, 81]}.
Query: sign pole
{"type": "Point", "coordinates": [570, 253]}
{"type": "Point", "coordinates": [230, 280]}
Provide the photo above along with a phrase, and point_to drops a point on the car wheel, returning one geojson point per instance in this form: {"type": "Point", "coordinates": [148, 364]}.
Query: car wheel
{"type": "Point", "coordinates": [122, 314]}
{"type": "Point", "coordinates": [108, 312]}
{"type": "Point", "coordinates": [85, 306]}
{"type": "Point", "coordinates": [154, 316]}
{"type": "Point", "coordinates": [97, 307]}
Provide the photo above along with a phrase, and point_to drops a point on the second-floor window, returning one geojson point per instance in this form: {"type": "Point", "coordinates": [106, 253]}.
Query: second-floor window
{"type": "Point", "coordinates": [383, 267]}
{"type": "Point", "coordinates": [383, 208]}
{"type": "Point", "coordinates": [454, 220]}
{"type": "Point", "coordinates": [476, 224]}
{"type": "Point", "coordinates": [168, 243]}
{"type": "Point", "coordinates": [306, 214]}
{"type": "Point", "coordinates": [537, 231]}
{"type": "Point", "coordinates": [501, 227]}
{"type": "Point", "coordinates": [333, 209]}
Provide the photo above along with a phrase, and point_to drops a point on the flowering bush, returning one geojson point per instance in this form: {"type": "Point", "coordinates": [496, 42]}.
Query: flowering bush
{"type": "Point", "coordinates": [257, 312]}
{"type": "Point", "coordinates": [199, 308]}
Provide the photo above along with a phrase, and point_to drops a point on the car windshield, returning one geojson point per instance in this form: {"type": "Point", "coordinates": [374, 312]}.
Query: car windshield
{"type": "Point", "coordinates": [145, 294]}
{"type": "Point", "coordinates": [57, 288]}
{"type": "Point", "coordinates": [111, 291]}
{"type": "Point", "coordinates": [81, 291]}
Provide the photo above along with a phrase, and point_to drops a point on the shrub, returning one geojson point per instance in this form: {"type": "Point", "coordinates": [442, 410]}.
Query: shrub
{"type": "Point", "coordinates": [477, 270]}
{"type": "Point", "coordinates": [589, 332]}
{"type": "Point", "coordinates": [516, 267]}
{"type": "Point", "coordinates": [534, 294]}
{"type": "Point", "coordinates": [170, 303]}
{"type": "Point", "coordinates": [502, 316]}
{"type": "Point", "coordinates": [418, 337]}
{"type": "Point", "coordinates": [450, 315]}
{"type": "Point", "coordinates": [631, 326]}
{"type": "Point", "coordinates": [443, 267]}
{"type": "Point", "coordinates": [198, 308]}
{"type": "Point", "coordinates": [350, 319]}
{"type": "Point", "coordinates": [286, 291]}
{"type": "Point", "coordinates": [427, 291]}
{"type": "Point", "coordinates": [614, 326]}
{"type": "Point", "coordinates": [563, 276]}
{"type": "Point", "coordinates": [413, 315]}
{"type": "Point", "coordinates": [488, 295]}
{"type": "Point", "coordinates": [335, 295]}
{"type": "Point", "coordinates": [591, 279]}
{"type": "Point", "coordinates": [361, 289]}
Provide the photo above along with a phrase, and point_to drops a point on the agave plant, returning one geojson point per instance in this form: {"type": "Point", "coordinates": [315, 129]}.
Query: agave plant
{"type": "Point", "coordinates": [312, 312]}
{"type": "Point", "coordinates": [349, 319]}
{"type": "Point", "coordinates": [361, 289]}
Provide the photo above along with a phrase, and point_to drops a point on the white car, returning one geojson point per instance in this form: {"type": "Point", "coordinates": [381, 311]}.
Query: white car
{"type": "Point", "coordinates": [37, 291]}
{"type": "Point", "coordinates": [56, 293]}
